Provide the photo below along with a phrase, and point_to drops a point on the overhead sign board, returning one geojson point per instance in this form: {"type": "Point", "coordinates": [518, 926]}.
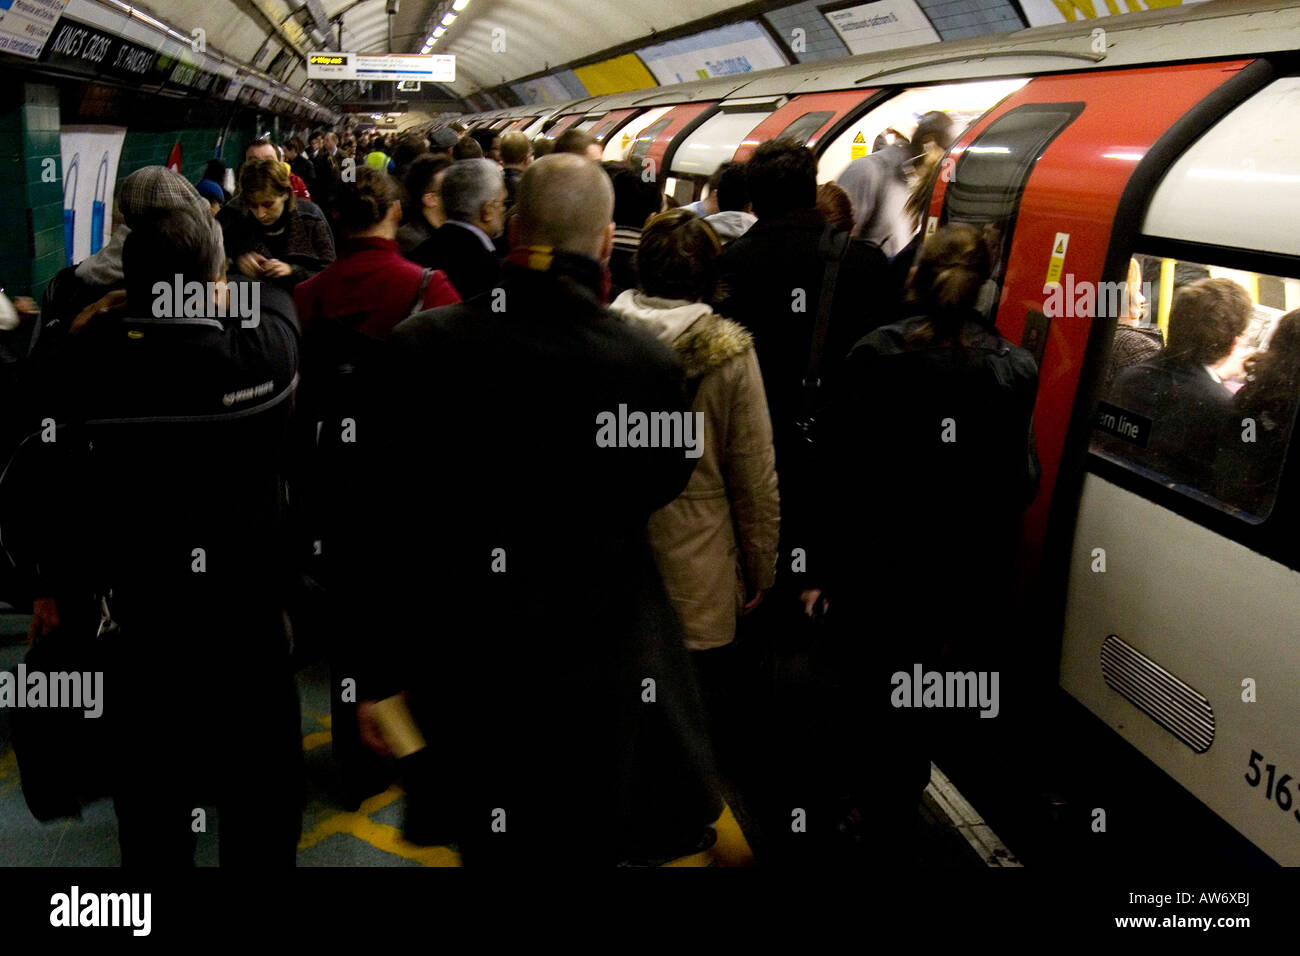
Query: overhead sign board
{"type": "Point", "coordinates": [880, 25]}
{"type": "Point", "coordinates": [25, 25]}
{"type": "Point", "coordinates": [426, 67]}
{"type": "Point", "coordinates": [82, 48]}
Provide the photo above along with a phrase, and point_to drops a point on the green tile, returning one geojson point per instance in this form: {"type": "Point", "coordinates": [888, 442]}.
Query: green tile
{"type": "Point", "coordinates": [47, 216]}
{"type": "Point", "coordinates": [48, 241]}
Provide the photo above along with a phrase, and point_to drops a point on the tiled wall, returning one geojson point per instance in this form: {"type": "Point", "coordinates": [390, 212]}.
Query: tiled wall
{"type": "Point", "coordinates": [960, 19]}
{"type": "Point", "coordinates": [820, 39]}
{"type": "Point", "coordinates": [31, 244]}
{"type": "Point", "coordinates": [197, 145]}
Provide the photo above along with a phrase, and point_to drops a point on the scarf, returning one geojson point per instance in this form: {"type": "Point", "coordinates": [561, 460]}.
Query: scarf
{"type": "Point", "coordinates": [580, 270]}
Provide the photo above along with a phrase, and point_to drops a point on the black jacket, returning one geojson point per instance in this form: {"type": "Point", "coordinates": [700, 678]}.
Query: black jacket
{"type": "Point", "coordinates": [528, 665]}
{"type": "Point", "coordinates": [300, 238]}
{"type": "Point", "coordinates": [325, 185]}
{"type": "Point", "coordinates": [170, 435]}
{"type": "Point", "coordinates": [305, 169]}
{"type": "Point", "coordinates": [457, 251]}
{"type": "Point", "coordinates": [771, 282]}
{"type": "Point", "coordinates": [930, 461]}
{"type": "Point", "coordinates": [1189, 412]}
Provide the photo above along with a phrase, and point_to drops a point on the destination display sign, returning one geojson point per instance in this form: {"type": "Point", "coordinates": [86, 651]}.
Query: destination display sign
{"type": "Point", "coordinates": [426, 67]}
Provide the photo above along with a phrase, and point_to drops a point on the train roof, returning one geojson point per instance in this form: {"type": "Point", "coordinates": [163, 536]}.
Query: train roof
{"type": "Point", "coordinates": [1182, 33]}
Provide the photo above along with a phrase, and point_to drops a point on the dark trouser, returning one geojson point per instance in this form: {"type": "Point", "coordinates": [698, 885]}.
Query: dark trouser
{"type": "Point", "coordinates": [719, 673]}
{"type": "Point", "coordinates": [219, 729]}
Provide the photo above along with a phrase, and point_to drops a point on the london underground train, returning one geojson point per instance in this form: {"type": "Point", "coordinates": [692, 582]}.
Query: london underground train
{"type": "Point", "coordinates": [1171, 138]}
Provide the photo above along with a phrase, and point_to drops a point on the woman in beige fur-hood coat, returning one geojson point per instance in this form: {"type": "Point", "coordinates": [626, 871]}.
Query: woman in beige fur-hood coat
{"type": "Point", "coordinates": [716, 544]}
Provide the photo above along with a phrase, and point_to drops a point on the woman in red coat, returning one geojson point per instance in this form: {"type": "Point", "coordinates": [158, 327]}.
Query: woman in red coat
{"type": "Point", "coordinates": [370, 287]}
{"type": "Point", "coordinates": [346, 312]}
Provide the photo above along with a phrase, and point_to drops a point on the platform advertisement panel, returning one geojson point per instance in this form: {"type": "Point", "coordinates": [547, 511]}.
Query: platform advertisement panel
{"type": "Point", "coordinates": [883, 25]}
{"type": "Point", "coordinates": [90, 155]}
{"type": "Point", "coordinates": [1043, 13]}
{"type": "Point", "coordinates": [739, 48]}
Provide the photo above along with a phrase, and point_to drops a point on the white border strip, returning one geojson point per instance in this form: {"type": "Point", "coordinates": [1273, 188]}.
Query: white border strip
{"type": "Point", "coordinates": [966, 821]}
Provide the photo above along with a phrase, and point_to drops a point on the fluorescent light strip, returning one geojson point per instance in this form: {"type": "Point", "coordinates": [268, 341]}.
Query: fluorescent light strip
{"type": "Point", "coordinates": [449, 19]}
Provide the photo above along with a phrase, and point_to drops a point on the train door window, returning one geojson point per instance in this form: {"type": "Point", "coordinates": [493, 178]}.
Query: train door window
{"type": "Point", "coordinates": [618, 146]}
{"type": "Point", "coordinates": [645, 139]}
{"type": "Point", "coordinates": [714, 142]}
{"type": "Point", "coordinates": [1205, 405]}
{"type": "Point", "coordinates": [964, 102]}
{"type": "Point", "coordinates": [991, 174]}
{"type": "Point", "coordinates": [805, 126]}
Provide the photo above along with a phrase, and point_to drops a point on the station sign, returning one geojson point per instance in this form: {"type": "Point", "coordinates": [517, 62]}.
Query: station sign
{"type": "Point", "coordinates": [426, 67]}
{"type": "Point", "coordinates": [25, 25]}
{"type": "Point", "coordinates": [81, 48]}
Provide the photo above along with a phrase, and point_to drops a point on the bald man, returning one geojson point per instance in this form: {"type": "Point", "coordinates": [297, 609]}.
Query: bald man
{"type": "Point", "coordinates": [524, 611]}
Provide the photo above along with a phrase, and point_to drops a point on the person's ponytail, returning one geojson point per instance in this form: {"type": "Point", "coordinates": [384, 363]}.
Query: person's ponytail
{"type": "Point", "coordinates": [953, 266]}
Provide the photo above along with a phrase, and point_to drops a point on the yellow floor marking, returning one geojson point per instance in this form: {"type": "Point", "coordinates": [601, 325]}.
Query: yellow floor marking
{"type": "Point", "coordinates": [379, 835]}
{"type": "Point", "coordinates": [317, 739]}
{"type": "Point", "coordinates": [732, 849]}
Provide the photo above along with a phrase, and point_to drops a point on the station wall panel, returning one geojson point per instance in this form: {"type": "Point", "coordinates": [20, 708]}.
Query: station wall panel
{"type": "Point", "coordinates": [820, 41]}
{"type": "Point", "coordinates": [618, 75]}
{"type": "Point", "coordinates": [960, 19]}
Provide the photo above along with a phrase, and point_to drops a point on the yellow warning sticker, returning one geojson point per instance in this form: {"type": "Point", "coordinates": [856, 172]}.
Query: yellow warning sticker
{"type": "Point", "coordinates": [931, 225]}
{"type": "Point", "coordinates": [627, 138]}
{"type": "Point", "coordinates": [858, 148]}
{"type": "Point", "coordinates": [1057, 263]}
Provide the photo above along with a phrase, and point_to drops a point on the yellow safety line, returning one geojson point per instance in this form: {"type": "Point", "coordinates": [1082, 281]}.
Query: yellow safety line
{"type": "Point", "coordinates": [731, 848]}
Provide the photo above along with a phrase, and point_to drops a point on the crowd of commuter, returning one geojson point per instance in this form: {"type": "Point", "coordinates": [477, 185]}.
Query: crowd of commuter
{"type": "Point", "coordinates": [411, 425]}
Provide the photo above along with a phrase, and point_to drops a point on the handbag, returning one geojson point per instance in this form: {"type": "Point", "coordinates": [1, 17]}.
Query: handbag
{"type": "Point", "coordinates": [63, 752]}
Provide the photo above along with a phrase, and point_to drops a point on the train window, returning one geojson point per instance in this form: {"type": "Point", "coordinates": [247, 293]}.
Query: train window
{"type": "Point", "coordinates": [617, 147]}
{"type": "Point", "coordinates": [714, 142]}
{"type": "Point", "coordinates": [645, 139]}
{"type": "Point", "coordinates": [964, 102]}
{"type": "Point", "coordinates": [805, 126]}
{"type": "Point", "coordinates": [992, 172]}
{"type": "Point", "coordinates": [1207, 407]}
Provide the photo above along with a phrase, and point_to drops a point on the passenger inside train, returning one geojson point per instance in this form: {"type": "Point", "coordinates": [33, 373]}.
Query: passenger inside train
{"type": "Point", "coordinates": [689, 473]}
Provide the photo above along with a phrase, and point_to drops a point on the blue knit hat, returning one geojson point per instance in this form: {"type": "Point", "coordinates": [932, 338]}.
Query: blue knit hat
{"type": "Point", "coordinates": [212, 190]}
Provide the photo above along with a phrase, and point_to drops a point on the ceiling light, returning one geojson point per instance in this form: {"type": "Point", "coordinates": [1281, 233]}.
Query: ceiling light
{"type": "Point", "coordinates": [449, 19]}
{"type": "Point", "coordinates": [460, 5]}
{"type": "Point", "coordinates": [439, 32]}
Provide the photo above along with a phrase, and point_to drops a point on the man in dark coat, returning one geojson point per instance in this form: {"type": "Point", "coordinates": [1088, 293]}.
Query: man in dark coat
{"type": "Point", "coordinates": [474, 201]}
{"type": "Point", "coordinates": [516, 588]}
{"type": "Point", "coordinates": [1180, 390]}
{"type": "Point", "coordinates": [159, 504]}
{"type": "Point", "coordinates": [771, 279]}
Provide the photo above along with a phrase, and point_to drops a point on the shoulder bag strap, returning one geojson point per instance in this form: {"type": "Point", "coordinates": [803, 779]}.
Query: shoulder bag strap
{"type": "Point", "coordinates": [832, 247]}
{"type": "Point", "coordinates": [418, 304]}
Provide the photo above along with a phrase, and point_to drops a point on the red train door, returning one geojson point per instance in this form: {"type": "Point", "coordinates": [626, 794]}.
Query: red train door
{"type": "Point", "coordinates": [806, 118]}
{"type": "Point", "coordinates": [1049, 168]}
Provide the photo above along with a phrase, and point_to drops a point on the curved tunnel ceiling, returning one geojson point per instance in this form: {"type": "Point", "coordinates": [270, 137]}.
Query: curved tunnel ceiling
{"type": "Point", "coordinates": [538, 33]}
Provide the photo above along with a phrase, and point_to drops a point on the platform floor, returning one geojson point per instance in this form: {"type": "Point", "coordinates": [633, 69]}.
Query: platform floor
{"type": "Point", "coordinates": [950, 832]}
